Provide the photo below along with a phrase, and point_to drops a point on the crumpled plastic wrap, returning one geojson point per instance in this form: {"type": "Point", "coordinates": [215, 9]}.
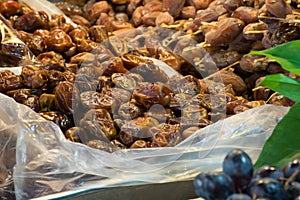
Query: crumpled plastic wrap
{"type": "Point", "coordinates": [46, 163]}
{"type": "Point", "coordinates": [13, 51]}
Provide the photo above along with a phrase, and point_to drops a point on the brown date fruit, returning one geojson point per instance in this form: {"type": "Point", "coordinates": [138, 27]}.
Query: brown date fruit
{"type": "Point", "coordinates": [178, 101]}
{"type": "Point", "coordinates": [54, 77]}
{"type": "Point", "coordinates": [225, 31]}
{"type": "Point", "coordinates": [199, 4]}
{"type": "Point", "coordinates": [98, 33]}
{"type": "Point", "coordinates": [37, 45]}
{"type": "Point", "coordinates": [96, 10]}
{"type": "Point", "coordinates": [51, 61]}
{"type": "Point", "coordinates": [173, 7]}
{"type": "Point", "coordinates": [254, 31]}
{"type": "Point", "coordinates": [77, 19]}
{"type": "Point", "coordinates": [166, 135]}
{"type": "Point", "coordinates": [34, 77]}
{"type": "Point", "coordinates": [56, 20]}
{"type": "Point", "coordinates": [136, 129]}
{"type": "Point", "coordinates": [66, 97]}
{"type": "Point", "coordinates": [99, 125]}
{"type": "Point", "coordinates": [47, 102]}
{"type": "Point", "coordinates": [78, 34]}
{"type": "Point", "coordinates": [58, 41]}
{"type": "Point", "coordinates": [101, 145]}
{"type": "Point", "coordinates": [188, 12]}
{"type": "Point", "coordinates": [210, 102]}
{"type": "Point", "coordinates": [148, 94]}
{"type": "Point", "coordinates": [229, 77]}
{"type": "Point", "coordinates": [32, 21]}
{"type": "Point", "coordinates": [25, 97]}
{"type": "Point", "coordinates": [194, 112]}
{"type": "Point", "coordinates": [140, 144]}
{"type": "Point", "coordinates": [118, 144]}
{"type": "Point", "coordinates": [10, 8]}
{"type": "Point", "coordinates": [168, 57]}
{"type": "Point", "coordinates": [69, 9]}
{"type": "Point", "coordinates": [123, 81]}
{"type": "Point", "coordinates": [246, 14]}
{"type": "Point", "coordinates": [120, 95]}
{"type": "Point", "coordinates": [73, 134]}
{"type": "Point", "coordinates": [131, 60]}
{"type": "Point", "coordinates": [104, 81]}
{"type": "Point", "coordinates": [84, 58]}
{"type": "Point", "coordinates": [60, 119]}
{"type": "Point", "coordinates": [86, 45]}
{"type": "Point", "coordinates": [278, 8]}
{"type": "Point", "coordinates": [129, 110]}
{"type": "Point", "coordinates": [208, 15]}
{"type": "Point", "coordinates": [187, 85]}
{"type": "Point", "coordinates": [150, 72]}
{"type": "Point", "coordinates": [69, 76]}
{"type": "Point", "coordinates": [254, 63]}
{"type": "Point", "coordinates": [164, 18]}
{"type": "Point", "coordinates": [114, 65]}
{"type": "Point", "coordinates": [95, 100]}
{"type": "Point", "coordinates": [231, 105]}
{"type": "Point", "coordinates": [159, 113]}
{"type": "Point", "coordinates": [9, 81]}
{"type": "Point", "coordinates": [280, 100]}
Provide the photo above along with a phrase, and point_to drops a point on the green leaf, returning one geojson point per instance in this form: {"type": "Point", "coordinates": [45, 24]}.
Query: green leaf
{"type": "Point", "coordinates": [283, 145]}
{"type": "Point", "coordinates": [284, 85]}
{"type": "Point", "coordinates": [287, 55]}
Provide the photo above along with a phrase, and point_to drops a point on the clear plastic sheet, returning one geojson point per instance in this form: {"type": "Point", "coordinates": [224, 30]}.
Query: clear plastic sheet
{"type": "Point", "coordinates": [46, 163]}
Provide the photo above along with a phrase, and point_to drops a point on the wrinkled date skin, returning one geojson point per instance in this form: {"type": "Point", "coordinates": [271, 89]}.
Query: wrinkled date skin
{"type": "Point", "coordinates": [136, 129]}
{"type": "Point", "coordinates": [32, 21]}
{"type": "Point", "coordinates": [165, 135]}
{"type": "Point", "coordinates": [99, 124]}
{"type": "Point", "coordinates": [10, 8]}
{"type": "Point", "coordinates": [94, 100]}
{"type": "Point", "coordinates": [225, 31]}
{"type": "Point", "coordinates": [9, 81]}
{"type": "Point", "coordinates": [129, 111]}
{"type": "Point", "coordinates": [24, 96]}
{"type": "Point", "coordinates": [58, 41]}
{"type": "Point", "coordinates": [66, 97]}
{"type": "Point", "coordinates": [62, 120]}
{"type": "Point", "coordinates": [34, 77]}
{"type": "Point", "coordinates": [148, 94]}
{"type": "Point", "coordinates": [150, 72]}
{"type": "Point", "coordinates": [73, 134]}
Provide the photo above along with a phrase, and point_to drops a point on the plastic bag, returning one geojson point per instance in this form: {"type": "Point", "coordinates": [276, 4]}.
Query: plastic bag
{"type": "Point", "coordinates": [13, 51]}
{"type": "Point", "coordinates": [46, 163]}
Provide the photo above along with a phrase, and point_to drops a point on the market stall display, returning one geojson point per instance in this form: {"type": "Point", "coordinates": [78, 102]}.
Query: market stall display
{"type": "Point", "coordinates": [104, 79]}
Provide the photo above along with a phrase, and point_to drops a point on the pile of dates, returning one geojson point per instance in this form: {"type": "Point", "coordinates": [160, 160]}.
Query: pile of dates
{"type": "Point", "coordinates": [97, 79]}
{"type": "Point", "coordinates": [239, 181]}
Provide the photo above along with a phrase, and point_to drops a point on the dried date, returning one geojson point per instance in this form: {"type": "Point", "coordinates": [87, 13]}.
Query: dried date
{"type": "Point", "coordinates": [9, 81]}
{"type": "Point", "coordinates": [73, 134]}
{"type": "Point", "coordinates": [225, 31]}
{"type": "Point", "coordinates": [58, 41]}
{"type": "Point", "coordinates": [60, 119]}
{"type": "Point", "coordinates": [32, 21]}
{"type": "Point", "coordinates": [124, 81]}
{"type": "Point", "coordinates": [166, 135]}
{"type": "Point", "coordinates": [66, 97]}
{"type": "Point", "coordinates": [148, 94]}
{"type": "Point", "coordinates": [129, 111]}
{"type": "Point", "coordinates": [99, 125]}
{"type": "Point", "coordinates": [10, 8]}
{"type": "Point", "coordinates": [34, 77]}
